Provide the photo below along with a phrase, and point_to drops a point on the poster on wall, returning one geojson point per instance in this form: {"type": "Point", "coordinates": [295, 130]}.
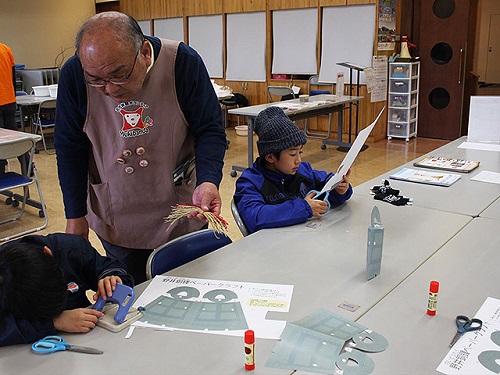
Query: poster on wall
{"type": "Point", "coordinates": [386, 25]}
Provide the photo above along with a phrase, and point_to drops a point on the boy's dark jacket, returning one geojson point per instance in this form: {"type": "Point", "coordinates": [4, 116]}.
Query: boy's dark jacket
{"type": "Point", "coordinates": [83, 267]}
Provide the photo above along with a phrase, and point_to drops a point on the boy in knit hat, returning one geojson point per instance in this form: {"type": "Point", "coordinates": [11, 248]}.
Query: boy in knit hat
{"type": "Point", "coordinates": [276, 190]}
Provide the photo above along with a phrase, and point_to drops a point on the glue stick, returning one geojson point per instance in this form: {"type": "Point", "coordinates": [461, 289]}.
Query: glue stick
{"type": "Point", "coordinates": [433, 297]}
{"type": "Point", "coordinates": [249, 350]}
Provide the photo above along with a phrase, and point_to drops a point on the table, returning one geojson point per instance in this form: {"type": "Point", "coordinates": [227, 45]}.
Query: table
{"type": "Point", "coordinates": [26, 103]}
{"type": "Point", "coordinates": [326, 267]}
{"type": "Point", "coordinates": [493, 210]}
{"type": "Point", "coordinates": [418, 342]}
{"type": "Point", "coordinates": [325, 104]}
{"type": "Point", "coordinates": [470, 197]}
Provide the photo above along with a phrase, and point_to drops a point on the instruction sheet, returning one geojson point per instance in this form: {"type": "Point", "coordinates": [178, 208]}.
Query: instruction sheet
{"type": "Point", "coordinates": [477, 352]}
{"type": "Point", "coordinates": [213, 306]}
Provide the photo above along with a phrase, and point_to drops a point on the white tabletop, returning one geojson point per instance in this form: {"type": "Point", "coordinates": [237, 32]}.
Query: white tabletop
{"type": "Point", "coordinates": [294, 107]}
{"type": "Point", "coordinates": [325, 265]}
{"type": "Point", "coordinates": [31, 99]}
{"type": "Point", "coordinates": [467, 270]}
{"type": "Point", "coordinates": [492, 211]}
{"type": "Point", "coordinates": [464, 196]}
{"type": "Point", "coordinates": [8, 136]}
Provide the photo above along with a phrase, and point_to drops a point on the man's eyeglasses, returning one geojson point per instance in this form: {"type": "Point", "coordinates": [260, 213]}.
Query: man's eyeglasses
{"type": "Point", "coordinates": [101, 82]}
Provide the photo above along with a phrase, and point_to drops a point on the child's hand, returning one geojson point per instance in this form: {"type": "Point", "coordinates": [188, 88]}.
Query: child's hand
{"type": "Point", "coordinates": [318, 207]}
{"type": "Point", "coordinates": [106, 286]}
{"type": "Point", "coordinates": [77, 321]}
{"type": "Point", "coordinates": [344, 185]}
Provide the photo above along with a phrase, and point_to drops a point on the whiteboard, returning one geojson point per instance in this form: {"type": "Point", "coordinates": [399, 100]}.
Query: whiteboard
{"type": "Point", "coordinates": [205, 36]}
{"type": "Point", "coordinates": [348, 34]}
{"type": "Point", "coordinates": [169, 28]}
{"type": "Point", "coordinates": [145, 27]}
{"type": "Point", "coordinates": [246, 47]}
{"type": "Point", "coordinates": [295, 35]}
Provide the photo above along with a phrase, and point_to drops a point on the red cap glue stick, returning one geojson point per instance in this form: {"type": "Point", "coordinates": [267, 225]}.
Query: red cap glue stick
{"type": "Point", "coordinates": [249, 350]}
{"type": "Point", "coordinates": [433, 298]}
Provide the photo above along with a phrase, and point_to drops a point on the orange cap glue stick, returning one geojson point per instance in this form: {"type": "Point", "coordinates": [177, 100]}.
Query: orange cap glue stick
{"type": "Point", "coordinates": [433, 297]}
{"type": "Point", "coordinates": [249, 350]}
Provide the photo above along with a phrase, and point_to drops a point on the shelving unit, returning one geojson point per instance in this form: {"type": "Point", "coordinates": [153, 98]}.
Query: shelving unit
{"type": "Point", "coordinates": [403, 100]}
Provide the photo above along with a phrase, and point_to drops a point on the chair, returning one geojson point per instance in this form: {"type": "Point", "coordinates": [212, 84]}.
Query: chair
{"type": "Point", "coordinates": [278, 93]}
{"type": "Point", "coordinates": [226, 105]}
{"type": "Point", "coordinates": [184, 249]}
{"type": "Point", "coordinates": [13, 180]}
{"type": "Point", "coordinates": [18, 110]}
{"type": "Point", "coordinates": [237, 218]}
{"type": "Point", "coordinates": [315, 87]}
{"type": "Point", "coordinates": [45, 118]}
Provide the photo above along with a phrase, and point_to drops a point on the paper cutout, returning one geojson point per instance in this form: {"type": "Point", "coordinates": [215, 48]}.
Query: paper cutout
{"type": "Point", "coordinates": [353, 152]}
{"type": "Point", "coordinates": [364, 364]}
{"type": "Point", "coordinates": [315, 344]}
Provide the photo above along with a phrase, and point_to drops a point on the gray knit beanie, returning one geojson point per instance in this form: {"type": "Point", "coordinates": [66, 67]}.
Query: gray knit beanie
{"type": "Point", "coordinates": [276, 132]}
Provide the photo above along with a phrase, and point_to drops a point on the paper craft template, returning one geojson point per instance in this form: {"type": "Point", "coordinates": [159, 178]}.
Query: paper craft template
{"type": "Point", "coordinates": [351, 155]}
{"type": "Point", "coordinates": [179, 312]}
{"type": "Point", "coordinates": [477, 352]}
{"type": "Point", "coordinates": [323, 342]}
{"type": "Point", "coordinates": [426, 177]}
{"type": "Point", "coordinates": [213, 306]}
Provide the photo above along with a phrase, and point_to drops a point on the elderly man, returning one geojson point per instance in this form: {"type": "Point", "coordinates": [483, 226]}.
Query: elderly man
{"type": "Point", "coordinates": [131, 109]}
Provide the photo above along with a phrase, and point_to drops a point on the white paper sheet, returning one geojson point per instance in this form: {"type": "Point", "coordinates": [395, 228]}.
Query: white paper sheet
{"type": "Point", "coordinates": [351, 155]}
{"type": "Point", "coordinates": [463, 357]}
{"type": "Point", "coordinates": [480, 146]}
{"type": "Point", "coordinates": [487, 176]}
{"type": "Point", "coordinates": [484, 115]}
{"type": "Point", "coordinates": [256, 301]}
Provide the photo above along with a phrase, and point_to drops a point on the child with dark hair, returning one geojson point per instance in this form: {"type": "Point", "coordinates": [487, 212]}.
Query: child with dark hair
{"type": "Point", "coordinates": [277, 190]}
{"type": "Point", "coordinates": [44, 282]}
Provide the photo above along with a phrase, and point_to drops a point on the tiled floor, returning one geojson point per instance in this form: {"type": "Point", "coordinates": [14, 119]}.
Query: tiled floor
{"type": "Point", "coordinates": [380, 157]}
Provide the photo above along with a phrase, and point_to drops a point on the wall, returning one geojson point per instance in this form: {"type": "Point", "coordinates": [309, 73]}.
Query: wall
{"type": "Point", "coordinates": [256, 92]}
{"type": "Point", "coordinates": [39, 31]}
{"type": "Point", "coordinates": [486, 8]}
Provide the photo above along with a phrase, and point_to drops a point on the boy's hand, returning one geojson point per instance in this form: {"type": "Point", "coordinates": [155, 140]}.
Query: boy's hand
{"type": "Point", "coordinates": [344, 185]}
{"type": "Point", "coordinates": [77, 321]}
{"type": "Point", "coordinates": [106, 286]}
{"type": "Point", "coordinates": [318, 207]}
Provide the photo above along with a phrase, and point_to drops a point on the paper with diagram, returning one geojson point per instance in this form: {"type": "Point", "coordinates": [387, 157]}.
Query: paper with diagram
{"type": "Point", "coordinates": [213, 306]}
{"type": "Point", "coordinates": [477, 352]}
{"type": "Point", "coordinates": [351, 155]}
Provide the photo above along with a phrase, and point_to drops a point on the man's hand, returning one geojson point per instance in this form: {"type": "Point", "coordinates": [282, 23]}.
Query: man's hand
{"type": "Point", "coordinates": [106, 286]}
{"type": "Point", "coordinates": [78, 226]}
{"type": "Point", "coordinates": [318, 207]}
{"type": "Point", "coordinates": [77, 321]}
{"type": "Point", "coordinates": [206, 195]}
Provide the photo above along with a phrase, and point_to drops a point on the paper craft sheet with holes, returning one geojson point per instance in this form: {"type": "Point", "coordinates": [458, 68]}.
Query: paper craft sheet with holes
{"type": "Point", "coordinates": [214, 306]}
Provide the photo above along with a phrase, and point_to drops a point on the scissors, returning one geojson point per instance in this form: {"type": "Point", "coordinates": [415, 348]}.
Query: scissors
{"type": "Point", "coordinates": [465, 324]}
{"type": "Point", "coordinates": [51, 344]}
{"type": "Point", "coordinates": [322, 196]}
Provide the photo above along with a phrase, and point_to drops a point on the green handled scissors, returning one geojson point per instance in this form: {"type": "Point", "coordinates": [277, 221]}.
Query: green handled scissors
{"type": "Point", "coordinates": [464, 324]}
{"type": "Point", "coordinates": [51, 344]}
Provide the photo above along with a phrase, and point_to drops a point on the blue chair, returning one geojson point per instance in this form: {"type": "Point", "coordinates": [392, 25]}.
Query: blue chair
{"type": "Point", "coordinates": [184, 249]}
{"type": "Point", "coordinates": [12, 180]}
